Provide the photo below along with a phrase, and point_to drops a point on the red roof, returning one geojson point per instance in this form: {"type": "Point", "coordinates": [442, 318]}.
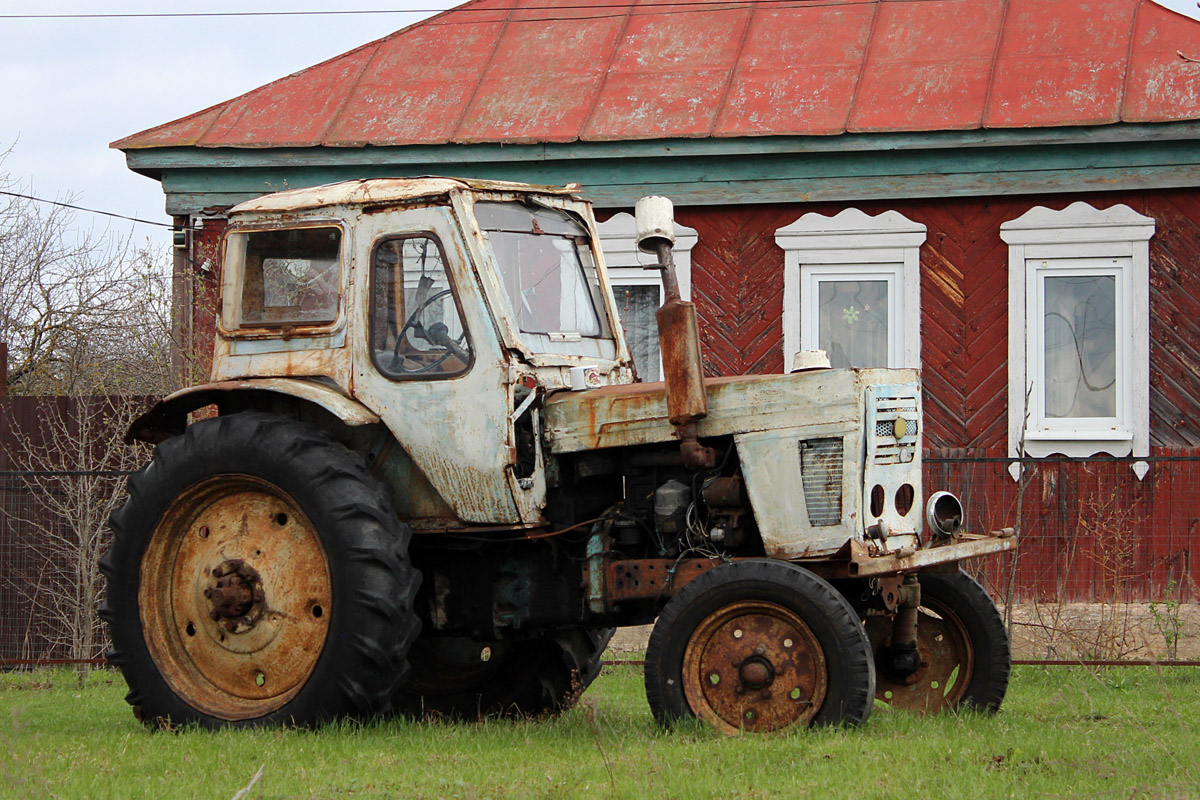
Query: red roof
{"type": "Point", "coordinates": [517, 71]}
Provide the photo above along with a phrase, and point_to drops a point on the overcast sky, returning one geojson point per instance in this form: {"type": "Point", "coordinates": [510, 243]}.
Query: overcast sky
{"type": "Point", "coordinates": [71, 86]}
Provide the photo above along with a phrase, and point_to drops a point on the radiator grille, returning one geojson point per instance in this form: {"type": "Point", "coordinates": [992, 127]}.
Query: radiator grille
{"type": "Point", "coordinates": [821, 474]}
{"type": "Point", "coordinates": [886, 448]}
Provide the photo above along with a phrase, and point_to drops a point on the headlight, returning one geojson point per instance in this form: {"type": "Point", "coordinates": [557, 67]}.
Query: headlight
{"type": "Point", "coordinates": [944, 513]}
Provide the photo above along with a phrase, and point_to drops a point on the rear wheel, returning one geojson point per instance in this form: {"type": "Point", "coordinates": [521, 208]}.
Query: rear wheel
{"type": "Point", "coordinates": [459, 678]}
{"type": "Point", "coordinates": [962, 646]}
{"type": "Point", "coordinates": [759, 646]}
{"type": "Point", "coordinates": [258, 575]}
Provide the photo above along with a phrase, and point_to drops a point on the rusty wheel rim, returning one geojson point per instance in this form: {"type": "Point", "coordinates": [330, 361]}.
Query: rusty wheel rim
{"type": "Point", "coordinates": [754, 666]}
{"type": "Point", "coordinates": [235, 597]}
{"type": "Point", "coordinates": [947, 661]}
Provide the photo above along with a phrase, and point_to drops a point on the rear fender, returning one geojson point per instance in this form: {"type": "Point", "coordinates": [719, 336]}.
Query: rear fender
{"type": "Point", "coordinates": [169, 416]}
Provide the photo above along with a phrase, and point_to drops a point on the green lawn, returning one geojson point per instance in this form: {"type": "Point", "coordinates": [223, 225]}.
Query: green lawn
{"type": "Point", "coordinates": [1124, 732]}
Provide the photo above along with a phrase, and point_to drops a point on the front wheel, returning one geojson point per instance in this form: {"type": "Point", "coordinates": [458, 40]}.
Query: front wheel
{"type": "Point", "coordinates": [759, 646]}
{"type": "Point", "coordinates": [963, 650]}
{"type": "Point", "coordinates": [258, 575]}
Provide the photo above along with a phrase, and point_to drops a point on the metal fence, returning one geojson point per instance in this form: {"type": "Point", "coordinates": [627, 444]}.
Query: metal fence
{"type": "Point", "coordinates": [1105, 569]}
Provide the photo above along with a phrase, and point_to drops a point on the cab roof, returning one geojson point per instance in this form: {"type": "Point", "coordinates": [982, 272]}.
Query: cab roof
{"type": "Point", "coordinates": [386, 190]}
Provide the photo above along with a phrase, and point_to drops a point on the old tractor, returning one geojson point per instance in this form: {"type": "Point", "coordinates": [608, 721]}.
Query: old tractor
{"type": "Point", "coordinates": [424, 479]}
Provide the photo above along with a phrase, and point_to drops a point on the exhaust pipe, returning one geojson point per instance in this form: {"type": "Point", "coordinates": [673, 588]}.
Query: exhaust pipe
{"type": "Point", "coordinates": [678, 334]}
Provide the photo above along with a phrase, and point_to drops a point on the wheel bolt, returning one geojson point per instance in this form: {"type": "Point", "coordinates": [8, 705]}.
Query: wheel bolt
{"type": "Point", "coordinates": [214, 615]}
{"type": "Point", "coordinates": [231, 626]}
{"type": "Point", "coordinates": [761, 649]}
{"type": "Point", "coordinates": [218, 572]}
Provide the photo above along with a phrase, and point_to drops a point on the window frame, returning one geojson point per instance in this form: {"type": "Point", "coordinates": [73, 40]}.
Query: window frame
{"type": "Point", "coordinates": [846, 246]}
{"type": "Point", "coordinates": [1078, 240]}
{"type": "Point", "coordinates": [454, 292]}
{"type": "Point", "coordinates": [229, 320]}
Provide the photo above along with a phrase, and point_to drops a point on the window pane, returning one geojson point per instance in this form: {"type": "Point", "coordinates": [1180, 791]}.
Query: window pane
{"type": "Point", "coordinates": [637, 306]}
{"type": "Point", "coordinates": [545, 264]}
{"type": "Point", "coordinates": [415, 325]}
{"type": "Point", "coordinates": [853, 322]}
{"type": "Point", "coordinates": [1081, 346]}
{"type": "Point", "coordinates": [291, 277]}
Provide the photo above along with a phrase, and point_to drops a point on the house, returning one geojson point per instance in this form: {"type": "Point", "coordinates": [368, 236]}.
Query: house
{"type": "Point", "coordinates": [1002, 192]}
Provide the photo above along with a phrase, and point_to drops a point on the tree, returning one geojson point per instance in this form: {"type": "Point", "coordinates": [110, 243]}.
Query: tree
{"type": "Point", "coordinates": [86, 316]}
{"type": "Point", "coordinates": [82, 311]}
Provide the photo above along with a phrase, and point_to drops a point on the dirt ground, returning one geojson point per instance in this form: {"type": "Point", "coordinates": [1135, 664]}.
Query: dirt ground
{"type": "Point", "coordinates": [1067, 631]}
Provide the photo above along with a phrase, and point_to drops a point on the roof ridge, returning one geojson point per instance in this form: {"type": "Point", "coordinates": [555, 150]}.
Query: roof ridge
{"type": "Point", "coordinates": [508, 15]}
{"type": "Point", "coordinates": [852, 105]}
{"type": "Point", "coordinates": [733, 71]}
{"type": "Point", "coordinates": [604, 76]}
{"type": "Point", "coordinates": [1133, 28]}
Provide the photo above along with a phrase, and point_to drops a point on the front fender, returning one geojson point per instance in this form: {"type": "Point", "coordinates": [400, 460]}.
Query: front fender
{"type": "Point", "coordinates": [168, 417]}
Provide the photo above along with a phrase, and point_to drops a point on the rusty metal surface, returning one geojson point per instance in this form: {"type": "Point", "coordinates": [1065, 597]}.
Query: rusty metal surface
{"type": "Point", "coordinates": [947, 661]}
{"type": "Point", "coordinates": [347, 410]}
{"type": "Point", "coordinates": [502, 71]}
{"type": "Point", "coordinates": [616, 416]}
{"type": "Point", "coordinates": [383, 190]}
{"type": "Point", "coordinates": [863, 562]}
{"type": "Point", "coordinates": [651, 578]}
{"type": "Point", "coordinates": [754, 666]}
{"type": "Point", "coordinates": [235, 597]}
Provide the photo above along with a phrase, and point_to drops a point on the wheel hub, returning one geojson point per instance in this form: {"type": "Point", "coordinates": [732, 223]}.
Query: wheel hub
{"type": "Point", "coordinates": [237, 598]}
{"type": "Point", "coordinates": [756, 672]}
{"type": "Point", "coordinates": [754, 666]}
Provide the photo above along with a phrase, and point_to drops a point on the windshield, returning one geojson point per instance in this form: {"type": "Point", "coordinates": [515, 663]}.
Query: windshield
{"type": "Point", "coordinates": [544, 260]}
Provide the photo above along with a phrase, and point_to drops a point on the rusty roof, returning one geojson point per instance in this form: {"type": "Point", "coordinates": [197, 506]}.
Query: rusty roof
{"type": "Point", "coordinates": [386, 190]}
{"type": "Point", "coordinates": [544, 71]}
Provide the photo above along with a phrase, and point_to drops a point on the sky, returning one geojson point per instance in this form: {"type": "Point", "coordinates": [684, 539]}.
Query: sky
{"type": "Point", "coordinates": [71, 86]}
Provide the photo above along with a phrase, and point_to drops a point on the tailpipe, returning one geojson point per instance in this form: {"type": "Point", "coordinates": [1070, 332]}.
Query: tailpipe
{"type": "Point", "coordinates": [678, 333]}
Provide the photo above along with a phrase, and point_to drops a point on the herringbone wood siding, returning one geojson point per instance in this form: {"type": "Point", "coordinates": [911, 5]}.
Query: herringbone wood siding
{"type": "Point", "coordinates": [737, 284]}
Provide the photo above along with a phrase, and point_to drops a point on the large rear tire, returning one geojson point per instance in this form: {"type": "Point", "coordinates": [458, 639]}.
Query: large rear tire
{"type": "Point", "coordinates": [258, 575]}
{"type": "Point", "coordinates": [457, 678]}
{"type": "Point", "coordinates": [759, 646]}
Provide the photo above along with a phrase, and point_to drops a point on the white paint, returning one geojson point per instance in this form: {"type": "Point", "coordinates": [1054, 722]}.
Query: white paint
{"type": "Point", "coordinates": [1079, 240]}
{"type": "Point", "coordinates": [853, 246]}
{"type": "Point", "coordinates": [627, 265]}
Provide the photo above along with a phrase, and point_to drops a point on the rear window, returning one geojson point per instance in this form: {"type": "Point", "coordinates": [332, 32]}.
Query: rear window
{"type": "Point", "coordinates": [291, 277]}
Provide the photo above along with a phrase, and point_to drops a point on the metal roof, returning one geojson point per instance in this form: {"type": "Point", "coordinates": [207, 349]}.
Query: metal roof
{"type": "Point", "coordinates": [545, 71]}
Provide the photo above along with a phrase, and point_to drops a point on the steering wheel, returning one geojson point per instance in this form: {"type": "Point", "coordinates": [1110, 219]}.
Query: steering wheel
{"type": "Point", "coordinates": [437, 334]}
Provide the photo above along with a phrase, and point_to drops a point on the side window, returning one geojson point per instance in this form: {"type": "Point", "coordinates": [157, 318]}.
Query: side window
{"type": "Point", "coordinates": [852, 287]}
{"type": "Point", "coordinates": [417, 329]}
{"type": "Point", "coordinates": [290, 277]}
{"type": "Point", "coordinates": [1079, 346]}
{"type": "Point", "coordinates": [638, 291]}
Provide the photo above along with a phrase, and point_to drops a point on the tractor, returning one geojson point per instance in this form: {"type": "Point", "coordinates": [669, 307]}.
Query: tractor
{"type": "Point", "coordinates": [425, 479]}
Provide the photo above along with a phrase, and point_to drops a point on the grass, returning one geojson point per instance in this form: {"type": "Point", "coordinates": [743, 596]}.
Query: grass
{"type": "Point", "coordinates": [1063, 732]}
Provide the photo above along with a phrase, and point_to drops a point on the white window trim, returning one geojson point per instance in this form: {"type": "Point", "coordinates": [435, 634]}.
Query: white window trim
{"type": "Point", "coordinates": [1042, 242]}
{"type": "Point", "coordinates": [626, 265]}
{"type": "Point", "coordinates": [852, 246]}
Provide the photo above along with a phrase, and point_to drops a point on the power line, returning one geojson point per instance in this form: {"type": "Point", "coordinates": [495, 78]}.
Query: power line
{"type": "Point", "coordinates": [88, 210]}
{"type": "Point", "coordinates": [629, 5]}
